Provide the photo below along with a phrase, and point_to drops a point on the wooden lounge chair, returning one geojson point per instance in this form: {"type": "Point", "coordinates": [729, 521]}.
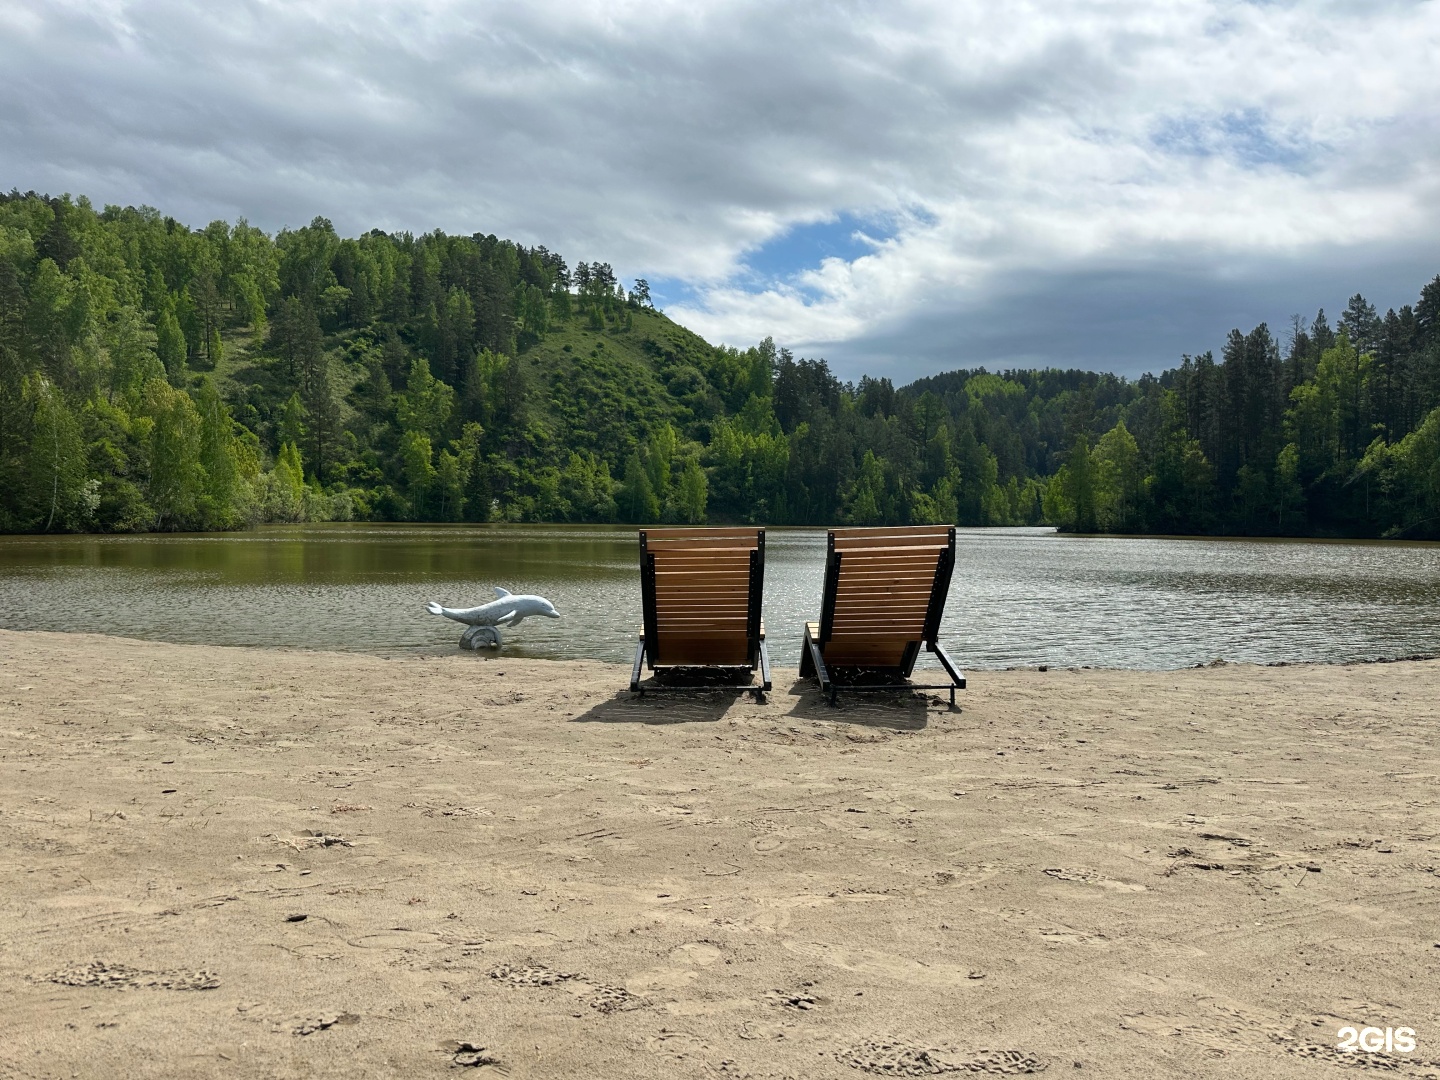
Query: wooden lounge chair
{"type": "Point", "coordinates": [701, 591]}
{"type": "Point", "coordinates": [884, 596]}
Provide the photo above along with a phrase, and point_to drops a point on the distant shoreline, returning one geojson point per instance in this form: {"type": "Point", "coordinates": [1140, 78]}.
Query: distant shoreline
{"type": "Point", "coordinates": [425, 653]}
{"type": "Point", "coordinates": [1019, 530]}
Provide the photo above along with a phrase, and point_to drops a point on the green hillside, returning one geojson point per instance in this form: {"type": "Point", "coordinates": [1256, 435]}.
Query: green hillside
{"type": "Point", "coordinates": [155, 376]}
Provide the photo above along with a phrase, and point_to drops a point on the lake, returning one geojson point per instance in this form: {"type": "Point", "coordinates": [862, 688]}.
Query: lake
{"type": "Point", "coordinates": [1020, 597]}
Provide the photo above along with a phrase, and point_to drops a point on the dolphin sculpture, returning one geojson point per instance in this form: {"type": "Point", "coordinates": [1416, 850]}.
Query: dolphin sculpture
{"type": "Point", "coordinates": [485, 621]}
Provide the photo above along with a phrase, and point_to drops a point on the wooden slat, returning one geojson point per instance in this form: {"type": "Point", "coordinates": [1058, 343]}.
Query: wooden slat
{"type": "Point", "coordinates": [910, 631]}
{"type": "Point", "coordinates": [868, 640]}
{"type": "Point", "coordinates": [681, 592]}
{"type": "Point", "coordinates": [728, 575]}
{"type": "Point", "coordinates": [855, 582]}
{"type": "Point", "coordinates": [709, 599]}
{"type": "Point", "coordinates": [896, 590]}
{"type": "Point", "coordinates": [720, 628]}
{"type": "Point", "coordinates": [893, 530]}
{"type": "Point", "coordinates": [735, 578]}
{"type": "Point", "coordinates": [882, 602]}
{"type": "Point", "coordinates": [915, 580]}
{"type": "Point", "coordinates": [897, 557]}
{"type": "Point", "coordinates": [753, 535]}
{"type": "Point", "coordinates": [679, 654]}
{"type": "Point", "coordinates": [869, 658]}
{"type": "Point", "coordinates": [722, 556]}
{"type": "Point", "coordinates": [698, 548]}
{"type": "Point", "coordinates": [873, 646]}
{"type": "Point", "coordinates": [882, 598]}
{"type": "Point", "coordinates": [906, 551]}
{"type": "Point", "coordinates": [877, 592]}
{"type": "Point", "coordinates": [853, 567]}
{"type": "Point", "coordinates": [682, 606]}
{"type": "Point", "coordinates": [886, 568]}
{"type": "Point", "coordinates": [701, 592]}
{"type": "Point", "coordinates": [716, 554]}
{"type": "Point", "coordinates": [678, 596]}
{"type": "Point", "coordinates": [878, 617]}
{"type": "Point", "coordinates": [717, 569]}
{"type": "Point", "coordinates": [711, 568]}
{"type": "Point", "coordinates": [702, 634]}
{"type": "Point", "coordinates": [700, 553]}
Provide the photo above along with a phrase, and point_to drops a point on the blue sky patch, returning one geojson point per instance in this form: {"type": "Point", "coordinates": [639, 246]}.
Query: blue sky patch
{"type": "Point", "coordinates": [805, 247]}
{"type": "Point", "coordinates": [667, 291]}
{"type": "Point", "coordinates": [1245, 136]}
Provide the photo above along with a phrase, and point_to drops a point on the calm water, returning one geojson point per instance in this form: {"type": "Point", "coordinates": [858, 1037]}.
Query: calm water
{"type": "Point", "coordinates": [1019, 597]}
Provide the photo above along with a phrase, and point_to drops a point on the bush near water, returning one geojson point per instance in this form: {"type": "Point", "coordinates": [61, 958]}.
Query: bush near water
{"type": "Point", "coordinates": [154, 376]}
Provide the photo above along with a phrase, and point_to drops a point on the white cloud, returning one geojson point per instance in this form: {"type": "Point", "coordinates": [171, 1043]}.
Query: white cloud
{"type": "Point", "coordinates": [1041, 141]}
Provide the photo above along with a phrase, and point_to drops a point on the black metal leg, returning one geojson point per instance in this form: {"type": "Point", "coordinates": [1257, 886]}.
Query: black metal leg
{"type": "Point", "coordinates": [818, 663]}
{"type": "Point", "coordinates": [635, 671]}
{"type": "Point", "coordinates": [765, 666]}
{"type": "Point", "coordinates": [950, 668]}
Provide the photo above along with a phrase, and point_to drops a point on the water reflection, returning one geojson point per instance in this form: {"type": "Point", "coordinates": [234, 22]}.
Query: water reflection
{"type": "Point", "coordinates": [1019, 597]}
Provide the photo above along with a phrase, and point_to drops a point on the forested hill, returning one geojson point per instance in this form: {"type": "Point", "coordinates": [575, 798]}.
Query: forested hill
{"type": "Point", "coordinates": [153, 376]}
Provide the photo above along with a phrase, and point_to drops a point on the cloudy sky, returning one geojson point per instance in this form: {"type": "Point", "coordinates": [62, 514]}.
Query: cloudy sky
{"type": "Point", "coordinates": [901, 187]}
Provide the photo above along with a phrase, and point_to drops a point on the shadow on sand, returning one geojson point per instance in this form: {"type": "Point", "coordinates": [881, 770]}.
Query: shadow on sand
{"type": "Point", "coordinates": [692, 707]}
{"type": "Point", "coordinates": [900, 710]}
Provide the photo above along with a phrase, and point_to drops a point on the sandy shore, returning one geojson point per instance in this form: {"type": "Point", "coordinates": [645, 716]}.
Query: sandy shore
{"type": "Point", "coordinates": [1201, 873]}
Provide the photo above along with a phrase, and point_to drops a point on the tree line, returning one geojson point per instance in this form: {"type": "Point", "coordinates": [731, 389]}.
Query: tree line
{"type": "Point", "coordinates": [154, 376]}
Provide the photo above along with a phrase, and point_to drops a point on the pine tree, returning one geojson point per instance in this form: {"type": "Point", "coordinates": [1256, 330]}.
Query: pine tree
{"type": "Point", "coordinates": [638, 502]}
{"type": "Point", "coordinates": [221, 503]}
{"type": "Point", "coordinates": [170, 343]}
{"type": "Point", "coordinates": [690, 494]}
{"type": "Point", "coordinates": [55, 492]}
{"type": "Point", "coordinates": [177, 480]}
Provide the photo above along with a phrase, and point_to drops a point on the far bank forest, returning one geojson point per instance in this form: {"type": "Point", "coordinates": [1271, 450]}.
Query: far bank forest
{"type": "Point", "coordinates": [157, 377]}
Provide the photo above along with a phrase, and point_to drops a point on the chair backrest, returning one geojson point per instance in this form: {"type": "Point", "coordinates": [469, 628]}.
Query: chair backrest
{"type": "Point", "coordinates": [701, 591]}
{"type": "Point", "coordinates": [885, 594]}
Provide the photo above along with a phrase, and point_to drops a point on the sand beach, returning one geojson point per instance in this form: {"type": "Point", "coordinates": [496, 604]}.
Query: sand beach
{"type": "Point", "coordinates": [224, 862]}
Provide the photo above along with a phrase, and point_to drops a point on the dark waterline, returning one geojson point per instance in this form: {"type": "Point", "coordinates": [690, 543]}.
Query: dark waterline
{"type": "Point", "coordinates": [1020, 597]}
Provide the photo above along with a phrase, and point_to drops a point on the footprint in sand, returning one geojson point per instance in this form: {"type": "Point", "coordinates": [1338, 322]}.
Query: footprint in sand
{"type": "Point", "coordinates": [683, 967]}
{"type": "Point", "coordinates": [895, 1058]}
{"type": "Point", "coordinates": [873, 962]}
{"type": "Point", "coordinates": [609, 999]}
{"type": "Point", "coordinates": [1066, 935]}
{"type": "Point", "coordinates": [1086, 876]}
{"type": "Point", "coordinates": [679, 1044]}
{"type": "Point", "coordinates": [122, 977]}
{"type": "Point", "coordinates": [599, 996]}
{"type": "Point", "coordinates": [532, 975]}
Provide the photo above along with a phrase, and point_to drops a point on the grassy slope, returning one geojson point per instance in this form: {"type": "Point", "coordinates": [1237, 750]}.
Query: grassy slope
{"type": "Point", "coordinates": [592, 389]}
{"type": "Point", "coordinates": [595, 381]}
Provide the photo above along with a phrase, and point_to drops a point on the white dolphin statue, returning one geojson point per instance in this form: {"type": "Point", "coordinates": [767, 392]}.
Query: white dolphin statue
{"type": "Point", "coordinates": [485, 621]}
